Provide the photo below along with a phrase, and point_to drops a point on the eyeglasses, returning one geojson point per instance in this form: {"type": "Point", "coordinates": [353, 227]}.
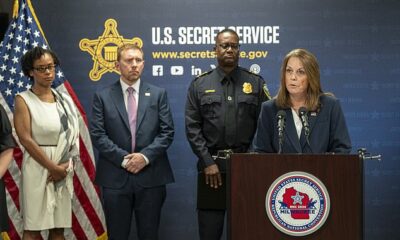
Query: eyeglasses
{"type": "Point", "coordinates": [299, 72]}
{"type": "Point", "coordinates": [43, 69]}
{"type": "Point", "coordinates": [225, 46]}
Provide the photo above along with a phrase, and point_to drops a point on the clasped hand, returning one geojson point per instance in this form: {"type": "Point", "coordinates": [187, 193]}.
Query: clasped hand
{"type": "Point", "coordinates": [135, 162]}
{"type": "Point", "coordinates": [58, 172]}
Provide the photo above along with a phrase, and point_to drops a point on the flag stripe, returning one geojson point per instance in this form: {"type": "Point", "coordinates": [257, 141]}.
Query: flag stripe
{"type": "Point", "coordinates": [92, 195]}
{"type": "Point", "coordinates": [18, 156]}
{"type": "Point", "coordinates": [90, 189]}
{"type": "Point", "coordinates": [12, 188]}
{"type": "Point", "coordinates": [78, 230]}
{"type": "Point", "coordinates": [83, 220]}
{"type": "Point", "coordinates": [75, 99]}
{"type": "Point", "coordinates": [13, 234]}
{"type": "Point", "coordinates": [90, 169]}
{"type": "Point", "coordinates": [15, 222]}
{"type": "Point", "coordinates": [87, 207]}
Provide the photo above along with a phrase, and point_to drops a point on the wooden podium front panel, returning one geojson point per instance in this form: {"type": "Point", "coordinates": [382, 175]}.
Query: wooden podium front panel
{"type": "Point", "coordinates": [251, 175]}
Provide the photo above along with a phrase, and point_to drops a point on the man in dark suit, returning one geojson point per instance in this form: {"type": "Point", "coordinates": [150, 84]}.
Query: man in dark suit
{"type": "Point", "coordinates": [132, 128]}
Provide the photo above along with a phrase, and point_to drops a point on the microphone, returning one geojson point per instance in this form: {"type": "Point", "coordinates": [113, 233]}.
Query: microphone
{"type": "Point", "coordinates": [303, 114]}
{"type": "Point", "coordinates": [281, 116]}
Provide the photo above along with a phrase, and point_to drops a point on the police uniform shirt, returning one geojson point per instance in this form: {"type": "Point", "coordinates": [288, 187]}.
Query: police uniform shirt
{"type": "Point", "coordinates": [211, 124]}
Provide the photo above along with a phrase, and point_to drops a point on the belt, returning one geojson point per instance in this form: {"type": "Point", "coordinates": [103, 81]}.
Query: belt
{"type": "Point", "coordinates": [223, 154]}
{"type": "Point", "coordinates": [226, 153]}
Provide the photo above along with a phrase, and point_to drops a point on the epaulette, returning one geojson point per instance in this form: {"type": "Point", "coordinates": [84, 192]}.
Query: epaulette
{"type": "Point", "coordinates": [203, 74]}
{"type": "Point", "coordinates": [251, 72]}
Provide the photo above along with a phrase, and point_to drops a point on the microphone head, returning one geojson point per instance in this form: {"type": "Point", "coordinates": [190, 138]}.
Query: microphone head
{"type": "Point", "coordinates": [302, 111]}
{"type": "Point", "coordinates": [304, 120]}
{"type": "Point", "coordinates": [281, 114]}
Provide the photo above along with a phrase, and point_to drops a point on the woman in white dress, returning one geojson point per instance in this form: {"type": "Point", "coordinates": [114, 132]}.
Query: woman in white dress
{"type": "Point", "coordinates": [47, 126]}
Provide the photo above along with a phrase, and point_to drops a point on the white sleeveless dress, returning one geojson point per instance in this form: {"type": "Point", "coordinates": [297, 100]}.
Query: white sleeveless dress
{"type": "Point", "coordinates": [36, 192]}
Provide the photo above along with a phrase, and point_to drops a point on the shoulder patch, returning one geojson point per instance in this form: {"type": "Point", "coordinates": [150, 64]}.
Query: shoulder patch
{"type": "Point", "coordinates": [252, 73]}
{"type": "Point", "coordinates": [266, 91]}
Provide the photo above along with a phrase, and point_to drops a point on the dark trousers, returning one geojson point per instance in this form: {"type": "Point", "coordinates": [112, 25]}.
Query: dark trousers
{"type": "Point", "coordinates": [132, 200]}
{"type": "Point", "coordinates": [3, 208]}
{"type": "Point", "coordinates": [211, 224]}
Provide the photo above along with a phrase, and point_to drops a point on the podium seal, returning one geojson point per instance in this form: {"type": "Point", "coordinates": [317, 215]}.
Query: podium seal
{"type": "Point", "coordinates": [297, 203]}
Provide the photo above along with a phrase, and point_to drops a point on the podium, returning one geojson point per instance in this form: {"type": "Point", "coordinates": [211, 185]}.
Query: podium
{"type": "Point", "coordinates": [250, 177]}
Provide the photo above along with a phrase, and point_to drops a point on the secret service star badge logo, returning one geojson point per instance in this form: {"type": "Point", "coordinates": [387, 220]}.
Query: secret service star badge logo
{"type": "Point", "coordinates": [104, 49]}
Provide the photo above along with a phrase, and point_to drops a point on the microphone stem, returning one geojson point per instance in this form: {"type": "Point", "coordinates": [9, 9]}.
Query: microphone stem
{"type": "Point", "coordinates": [280, 144]}
{"type": "Point", "coordinates": [308, 143]}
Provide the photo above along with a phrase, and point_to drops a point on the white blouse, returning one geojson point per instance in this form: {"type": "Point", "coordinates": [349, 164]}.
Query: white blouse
{"type": "Point", "coordinates": [297, 122]}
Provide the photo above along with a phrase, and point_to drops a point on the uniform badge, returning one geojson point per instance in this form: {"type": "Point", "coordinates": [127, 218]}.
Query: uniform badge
{"type": "Point", "coordinates": [247, 88]}
{"type": "Point", "coordinates": [210, 91]}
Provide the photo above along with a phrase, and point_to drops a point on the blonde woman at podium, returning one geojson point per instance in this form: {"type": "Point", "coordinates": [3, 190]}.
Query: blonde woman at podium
{"type": "Point", "coordinates": [301, 118]}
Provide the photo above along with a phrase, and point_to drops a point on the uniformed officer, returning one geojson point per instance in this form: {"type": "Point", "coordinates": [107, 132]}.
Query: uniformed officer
{"type": "Point", "coordinates": [221, 115]}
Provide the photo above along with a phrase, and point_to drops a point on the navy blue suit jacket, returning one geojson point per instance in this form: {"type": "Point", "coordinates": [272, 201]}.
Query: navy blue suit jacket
{"type": "Point", "coordinates": [328, 130]}
{"type": "Point", "coordinates": [112, 137]}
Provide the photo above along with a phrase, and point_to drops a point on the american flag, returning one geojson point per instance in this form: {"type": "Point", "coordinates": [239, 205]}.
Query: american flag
{"type": "Point", "coordinates": [24, 33]}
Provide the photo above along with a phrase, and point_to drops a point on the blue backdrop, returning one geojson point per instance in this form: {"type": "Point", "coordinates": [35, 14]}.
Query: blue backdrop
{"type": "Point", "coordinates": [357, 44]}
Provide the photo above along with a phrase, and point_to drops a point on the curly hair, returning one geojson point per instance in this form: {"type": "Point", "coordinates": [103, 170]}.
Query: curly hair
{"type": "Point", "coordinates": [34, 54]}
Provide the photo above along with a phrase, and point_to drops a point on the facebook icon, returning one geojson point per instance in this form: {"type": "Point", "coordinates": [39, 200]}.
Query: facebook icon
{"type": "Point", "coordinates": [158, 70]}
